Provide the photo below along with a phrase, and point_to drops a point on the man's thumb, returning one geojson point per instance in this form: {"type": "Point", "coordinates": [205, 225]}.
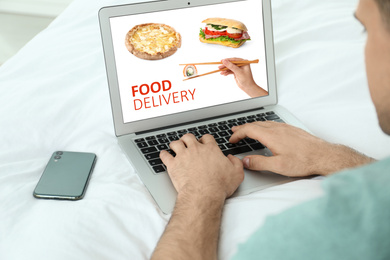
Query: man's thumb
{"type": "Point", "coordinates": [257, 163]}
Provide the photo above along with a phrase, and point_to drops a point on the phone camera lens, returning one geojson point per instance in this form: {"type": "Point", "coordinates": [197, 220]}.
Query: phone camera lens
{"type": "Point", "coordinates": [59, 153]}
{"type": "Point", "coordinates": [189, 3]}
{"type": "Point", "coordinates": [57, 157]}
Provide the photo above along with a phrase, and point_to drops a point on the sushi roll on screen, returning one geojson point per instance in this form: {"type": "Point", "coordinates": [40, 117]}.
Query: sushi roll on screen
{"type": "Point", "coordinates": [190, 71]}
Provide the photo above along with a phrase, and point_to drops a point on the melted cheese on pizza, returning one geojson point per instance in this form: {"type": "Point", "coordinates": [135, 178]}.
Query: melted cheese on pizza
{"type": "Point", "coordinates": [154, 39]}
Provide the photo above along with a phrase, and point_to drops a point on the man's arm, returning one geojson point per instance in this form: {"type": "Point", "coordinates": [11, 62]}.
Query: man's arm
{"type": "Point", "coordinates": [203, 178]}
{"type": "Point", "coordinates": [193, 231]}
{"type": "Point", "coordinates": [296, 153]}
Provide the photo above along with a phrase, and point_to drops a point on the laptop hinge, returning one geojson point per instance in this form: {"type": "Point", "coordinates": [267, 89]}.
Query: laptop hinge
{"type": "Point", "coordinates": [197, 121]}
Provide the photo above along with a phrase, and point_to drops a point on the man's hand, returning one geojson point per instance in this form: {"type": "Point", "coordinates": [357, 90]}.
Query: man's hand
{"type": "Point", "coordinates": [243, 77]}
{"type": "Point", "coordinates": [296, 153]}
{"type": "Point", "coordinates": [200, 168]}
{"type": "Point", "coordinates": [203, 178]}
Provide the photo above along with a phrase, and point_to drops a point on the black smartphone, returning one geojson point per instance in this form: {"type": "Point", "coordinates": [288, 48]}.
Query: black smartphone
{"type": "Point", "coordinates": [66, 176]}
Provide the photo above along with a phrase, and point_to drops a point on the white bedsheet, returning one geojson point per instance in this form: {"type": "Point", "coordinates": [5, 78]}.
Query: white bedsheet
{"type": "Point", "coordinates": [54, 96]}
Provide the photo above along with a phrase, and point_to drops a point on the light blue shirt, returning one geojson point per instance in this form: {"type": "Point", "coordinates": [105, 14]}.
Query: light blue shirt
{"type": "Point", "coordinates": [351, 221]}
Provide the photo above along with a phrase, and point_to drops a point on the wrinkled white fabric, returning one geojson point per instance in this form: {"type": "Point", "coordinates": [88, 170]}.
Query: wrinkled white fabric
{"type": "Point", "coordinates": [54, 96]}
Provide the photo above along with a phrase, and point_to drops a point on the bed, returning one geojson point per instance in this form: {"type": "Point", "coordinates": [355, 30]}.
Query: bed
{"type": "Point", "coordinates": [54, 96]}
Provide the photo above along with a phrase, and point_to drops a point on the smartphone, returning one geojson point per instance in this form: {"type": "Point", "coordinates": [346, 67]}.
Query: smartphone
{"type": "Point", "coordinates": [66, 176]}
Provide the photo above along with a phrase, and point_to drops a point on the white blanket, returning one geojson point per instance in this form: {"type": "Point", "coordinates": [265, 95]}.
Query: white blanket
{"type": "Point", "coordinates": [54, 96]}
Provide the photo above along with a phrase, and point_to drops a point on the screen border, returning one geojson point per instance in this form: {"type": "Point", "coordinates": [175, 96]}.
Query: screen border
{"type": "Point", "coordinates": [122, 128]}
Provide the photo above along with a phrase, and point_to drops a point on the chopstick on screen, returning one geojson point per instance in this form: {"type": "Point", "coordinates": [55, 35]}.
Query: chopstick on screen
{"type": "Point", "coordinates": [218, 62]}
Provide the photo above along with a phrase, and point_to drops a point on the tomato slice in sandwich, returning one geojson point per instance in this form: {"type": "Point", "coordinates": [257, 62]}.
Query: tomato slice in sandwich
{"type": "Point", "coordinates": [220, 33]}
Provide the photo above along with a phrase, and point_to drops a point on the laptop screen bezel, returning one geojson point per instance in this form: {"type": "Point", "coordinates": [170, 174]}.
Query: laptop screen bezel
{"type": "Point", "coordinates": [122, 128]}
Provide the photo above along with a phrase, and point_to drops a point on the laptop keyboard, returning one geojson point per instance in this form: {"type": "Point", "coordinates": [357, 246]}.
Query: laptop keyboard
{"type": "Point", "coordinates": [151, 146]}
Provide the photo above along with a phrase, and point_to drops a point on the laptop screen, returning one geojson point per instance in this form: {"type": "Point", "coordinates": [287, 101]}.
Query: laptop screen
{"type": "Point", "coordinates": [161, 58]}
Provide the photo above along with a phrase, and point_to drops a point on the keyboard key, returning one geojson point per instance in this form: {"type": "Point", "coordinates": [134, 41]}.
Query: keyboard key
{"type": "Point", "coordinates": [241, 143]}
{"type": "Point", "coordinates": [142, 145]}
{"type": "Point", "coordinates": [251, 117]}
{"type": "Point", "coordinates": [153, 142]}
{"type": "Point", "coordinates": [150, 138]}
{"type": "Point", "coordinates": [184, 131]}
{"type": "Point", "coordinates": [192, 129]}
{"type": "Point", "coordinates": [148, 150]}
{"type": "Point", "coordinates": [222, 147]}
{"type": "Point", "coordinates": [161, 135]}
{"type": "Point", "coordinates": [260, 118]}
{"type": "Point", "coordinates": [271, 117]}
{"type": "Point", "coordinates": [251, 121]}
{"type": "Point", "coordinates": [257, 146]}
{"type": "Point", "coordinates": [241, 118]}
{"type": "Point", "coordinates": [220, 140]}
{"type": "Point", "coordinates": [222, 123]}
{"type": "Point", "coordinates": [202, 127]}
{"type": "Point", "coordinates": [261, 114]}
{"type": "Point", "coordinates": [213, 129]}
{"type": "Point", "coordinates": [163, 140]}
{"type": "Point", "coordinates": [223, 134]}
{"type": "Point", "coordinates": [212, 125]}
{"type": "Point", "coordinates": [237, 150]}
{"type": "Point", "coordinates": [232, 120]}
{"type": "Point", "coordinates": [241, 122]}
{"type": "Point", "coordinates": [215, 135]}
{"type": "Point", "coordinates": [250, 140]}
{"type": "Point", "coordinates": [232, 124]}
{"type": "Point", "coordinates": [270, 113]}
{"type": "Point", "coordinates": [162, 147]}
{"type": "Point", "coordinates": [171, 152]}
{"type": "Point", "coordinates": [196, 133]}
{"type": "Point", "coordinates": [151, 156]}
{"type": "Point", "coordinates": [139, 140]}
{"type": "Point", "coordinates": [204, 131]}
{"type": "Point", "coordinates": [171, 133]}
{"type": "Point", "coordinates": [230, 145]}
{"type": "Point", "coordinates": [158, 169]}
{"type": "Point", "coordinates": [155, 162]}
{"type": "Point", "coordinates": [174, 138]}
{"type": "Point", "coordinates": [223, 127]}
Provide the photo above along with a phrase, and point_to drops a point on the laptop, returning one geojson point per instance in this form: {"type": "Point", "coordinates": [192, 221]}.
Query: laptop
{"type": "Point", "coordinates": [156, 55]}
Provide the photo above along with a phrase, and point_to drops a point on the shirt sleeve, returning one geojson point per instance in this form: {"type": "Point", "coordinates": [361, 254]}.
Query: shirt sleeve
{"type": "Point", "coordinates": [351, 221]}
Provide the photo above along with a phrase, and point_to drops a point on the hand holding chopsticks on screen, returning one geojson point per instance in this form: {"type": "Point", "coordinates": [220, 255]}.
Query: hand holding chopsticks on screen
{"type": "Point", "coordinates": [190, 66]}
{"type": "Point", "coordinates": [240, 68]}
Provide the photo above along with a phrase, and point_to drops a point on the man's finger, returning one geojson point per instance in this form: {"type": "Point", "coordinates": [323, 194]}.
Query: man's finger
{"type": "Point", "coordinates": [262, 163]}
{"type": "Point", "coordinates": [266, 124]}
{"type": "Point", "coordinates": [246, 130]}
{"type": "Point", "coordinates": [235, 161]}
{"type": "Point", "coordinates": [177, 146]}
{"type": "Point", "coordinates": [166, 158]}
{"type": "Point", "coordinates": [189, 139]}
{"type": "Point", "coordinates": [251, 130]}
{"type": "Point", "coordinates": [206, 139]}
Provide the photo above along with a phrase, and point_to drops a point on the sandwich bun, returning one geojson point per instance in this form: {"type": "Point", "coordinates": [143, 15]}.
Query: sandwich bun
{"type": "Point", "coordinates": [226, 22]}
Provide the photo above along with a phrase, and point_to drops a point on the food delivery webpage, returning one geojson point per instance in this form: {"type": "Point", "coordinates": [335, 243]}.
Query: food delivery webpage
{"type": "Point", "coordinates": [169, 62]}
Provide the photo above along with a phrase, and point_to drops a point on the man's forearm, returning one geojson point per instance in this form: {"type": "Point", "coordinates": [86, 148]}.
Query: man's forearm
{"type": "Point", "coordinates": [193, 230]}
{"type": "Point", "coordinates": [340, 157]}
